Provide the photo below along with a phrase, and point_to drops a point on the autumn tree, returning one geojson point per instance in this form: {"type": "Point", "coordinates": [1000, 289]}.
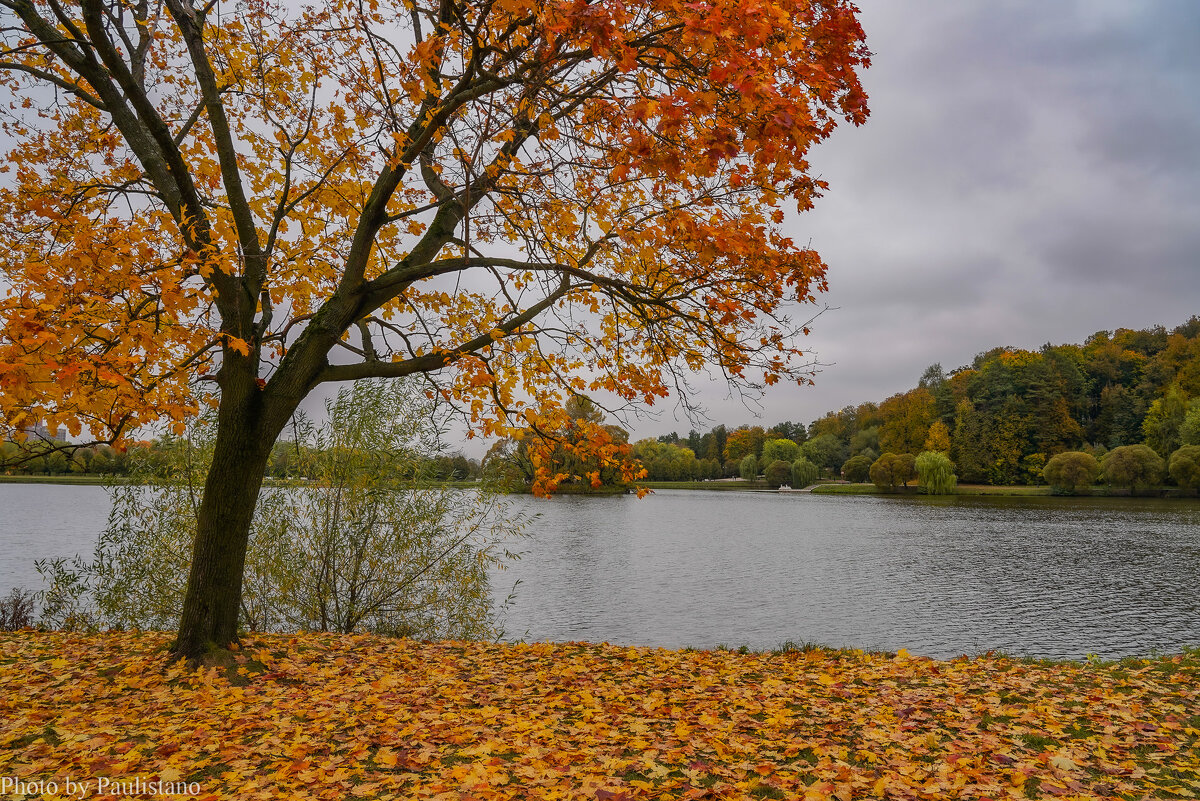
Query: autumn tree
{"type": "Point", "coordinates": [578, 450]}
{"type": "Point", "coordinates": [744, 441]}
{"type": "Point", "coordinates": [906, 420]}
{"type": "Point", "coordinates": [935, 473]}
{"type": "Point", "coordinates": [939, 438]}
{"type": "Point", "coordinates": [519, 201]}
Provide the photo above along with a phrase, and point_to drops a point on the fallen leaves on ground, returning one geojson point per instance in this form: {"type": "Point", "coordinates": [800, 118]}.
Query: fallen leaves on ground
{"type": "Point", "coordinates": [321, 716]}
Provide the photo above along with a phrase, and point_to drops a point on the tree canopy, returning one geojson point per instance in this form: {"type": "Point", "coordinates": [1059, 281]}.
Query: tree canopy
{"type": "Point", "coordinates": [420, 188]}
{"type": "Point", "coordinates": [519, 200]}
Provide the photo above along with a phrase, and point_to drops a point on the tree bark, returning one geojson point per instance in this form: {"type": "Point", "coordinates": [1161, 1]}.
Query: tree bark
{"type": "Point", "coordinates": [242, 450]}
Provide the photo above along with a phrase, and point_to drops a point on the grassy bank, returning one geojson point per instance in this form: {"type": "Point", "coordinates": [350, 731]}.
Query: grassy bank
{"type": "Point", "coordinates": [360, 717]}
{"type": "Point", "coordinates": [961, 489]}
{"type": "Point", "coordinates": [64, 479]}
{"type": "Point", "coordinates": [737, 484]}
{"type": "Point", "coordinates": [988, 489]}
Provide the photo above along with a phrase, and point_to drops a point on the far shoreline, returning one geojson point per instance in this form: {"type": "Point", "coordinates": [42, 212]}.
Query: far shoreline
{"type": "Point", "coordinates": [735, 485]}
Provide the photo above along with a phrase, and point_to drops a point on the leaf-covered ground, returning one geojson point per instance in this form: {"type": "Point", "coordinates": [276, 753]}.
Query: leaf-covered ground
{"type": "Point", "coordinates": [341, 717]}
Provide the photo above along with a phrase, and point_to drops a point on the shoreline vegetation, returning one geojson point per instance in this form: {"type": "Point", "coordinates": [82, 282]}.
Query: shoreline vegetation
{"type": "Point", "coordinates": [726, 485]}
{"type": "Point", "coordinates": [336, 716]}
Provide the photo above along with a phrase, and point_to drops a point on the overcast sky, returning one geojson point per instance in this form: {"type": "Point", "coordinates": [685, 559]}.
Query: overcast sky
{"type": "Point", "coordinates": [1030, 173]}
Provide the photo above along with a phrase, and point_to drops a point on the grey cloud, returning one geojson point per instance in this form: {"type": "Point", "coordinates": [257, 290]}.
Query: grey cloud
{"type": "Point", "coordinates": [1030, 174]}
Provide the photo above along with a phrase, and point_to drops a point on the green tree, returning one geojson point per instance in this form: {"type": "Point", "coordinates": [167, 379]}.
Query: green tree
{"type": "Point", "coordinates": [778, 473]}
{"type": "Point", "coordinates": [1071, 472]}
{"type": "Point", "coordinates": [748, 467]}
{"type": "Point", "coordinates": [935, 473]}
{"type": "Point", "coordinates": [1133, 466]}
{"type": "Point", "coordinates": [1164, 420]}
{"type": "Point", "coordinates": [1185, 466]}
{"type": "Point", "coordinates": [780, 450]}
{"type": "Point", "coordinates": [1189, 429]}
{"type": "Point", "coordinates": [864, 440]}
{"type": "Point", "coordinates": [857, 468]}
{"type": "Point", "coordinates": [804, 473]}
{"type": "Point", "coordinates": [826, 451]}
{"type": "Point", "coordinates": [796, 432]}
{"type": "Point", "coordinates": [666, 462]}
{"type": "Point", "coordinates": [969, 446]}
{"type": "Point", "coordinates": [893, 470]}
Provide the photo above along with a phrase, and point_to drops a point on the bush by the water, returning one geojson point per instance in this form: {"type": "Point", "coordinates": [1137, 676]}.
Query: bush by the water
{"type": "Point", "coordinates": [1185, 466]}
{"type": "Point", "coordinates": [369, 545]}
{"type": "Point", "coordinates": [1136, 467]}
{"type": "Point", "coordinates": [1071, 472]}
{"type": "Point", "coordinates": [778, 473]}
{"type": "Point", "coordinates": [893, 470]}
{"type": "Point", "coordinates": [17, 610]}
{"type": "Point", "coordinates": [857, 468]}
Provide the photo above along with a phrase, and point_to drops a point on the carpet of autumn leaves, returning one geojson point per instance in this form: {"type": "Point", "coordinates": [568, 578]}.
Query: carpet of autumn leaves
{"type": "Point", "coordinates": [319, 716]}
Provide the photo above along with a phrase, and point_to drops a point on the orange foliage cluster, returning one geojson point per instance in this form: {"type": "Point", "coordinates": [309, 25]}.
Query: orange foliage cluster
{"type": "Point", "coordinates": [361, 717]}
{"type": "Point", "coordinates": [248, 190]}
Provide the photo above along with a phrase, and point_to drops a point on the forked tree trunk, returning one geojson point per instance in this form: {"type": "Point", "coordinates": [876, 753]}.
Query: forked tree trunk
{"type": "Point", "coordinates": [213, 598]}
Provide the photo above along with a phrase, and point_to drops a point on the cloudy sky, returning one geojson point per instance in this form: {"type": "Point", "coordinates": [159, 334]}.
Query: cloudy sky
{"type": "Point", "coordinates": [1030, 173]}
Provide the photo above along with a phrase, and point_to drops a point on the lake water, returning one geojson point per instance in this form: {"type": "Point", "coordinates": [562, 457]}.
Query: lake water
{"type": "Point", "coordinates": [1052, 577]}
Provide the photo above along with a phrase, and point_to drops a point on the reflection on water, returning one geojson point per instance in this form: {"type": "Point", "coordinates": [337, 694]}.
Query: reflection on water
{"type": "Point", "coordinates": [940, 576]}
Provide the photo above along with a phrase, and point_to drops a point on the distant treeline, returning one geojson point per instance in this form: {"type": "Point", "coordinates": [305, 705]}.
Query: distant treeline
{"type": "Point", "coordinates": [1000, 418]}
{"type": "Point", "coordinates": [288, 460]}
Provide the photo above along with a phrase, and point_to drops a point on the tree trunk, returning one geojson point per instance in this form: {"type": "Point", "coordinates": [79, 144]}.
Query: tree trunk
{"type": "Point", "coordinates": [241, 452]}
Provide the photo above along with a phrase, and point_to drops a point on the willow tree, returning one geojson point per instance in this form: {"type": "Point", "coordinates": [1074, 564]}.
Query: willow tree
{"type": "Point", "coordinates": [520, 200]}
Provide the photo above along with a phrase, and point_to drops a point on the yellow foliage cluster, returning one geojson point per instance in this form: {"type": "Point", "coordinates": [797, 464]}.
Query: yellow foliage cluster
{"type": "Point", "coordinates": [361, 717]}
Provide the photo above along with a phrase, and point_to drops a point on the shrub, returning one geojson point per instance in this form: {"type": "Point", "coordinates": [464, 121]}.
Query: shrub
{"type": "Point", "coordinates": [16, 610]}
{"type": "Point", "coordinates": [1133, 466]}
{"type": "Point", "coordinates": [1071, 472]}
{"type": "Point", "coordinates": [857, 468]}
{"type": "Point", "coordinates": [778, 472]}
{"type": "Point", "coordinates": [1185, 466]}
{"type": "Point", "coordinates": [370, 544]}
{"type": "Point", "coordinates": [804, 473]}
{"type": "Point", "coordinates": [935, 473]}
{"type": "Point", "coordinates": [893, 470]}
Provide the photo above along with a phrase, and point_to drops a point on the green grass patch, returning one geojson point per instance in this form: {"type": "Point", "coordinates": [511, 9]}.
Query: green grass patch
{"type": "Point", "coordinates": [64, 479]}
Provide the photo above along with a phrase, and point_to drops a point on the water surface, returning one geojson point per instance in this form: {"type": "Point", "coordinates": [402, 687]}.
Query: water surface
{"type": "Point", "coordinates": [1051, 577]}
